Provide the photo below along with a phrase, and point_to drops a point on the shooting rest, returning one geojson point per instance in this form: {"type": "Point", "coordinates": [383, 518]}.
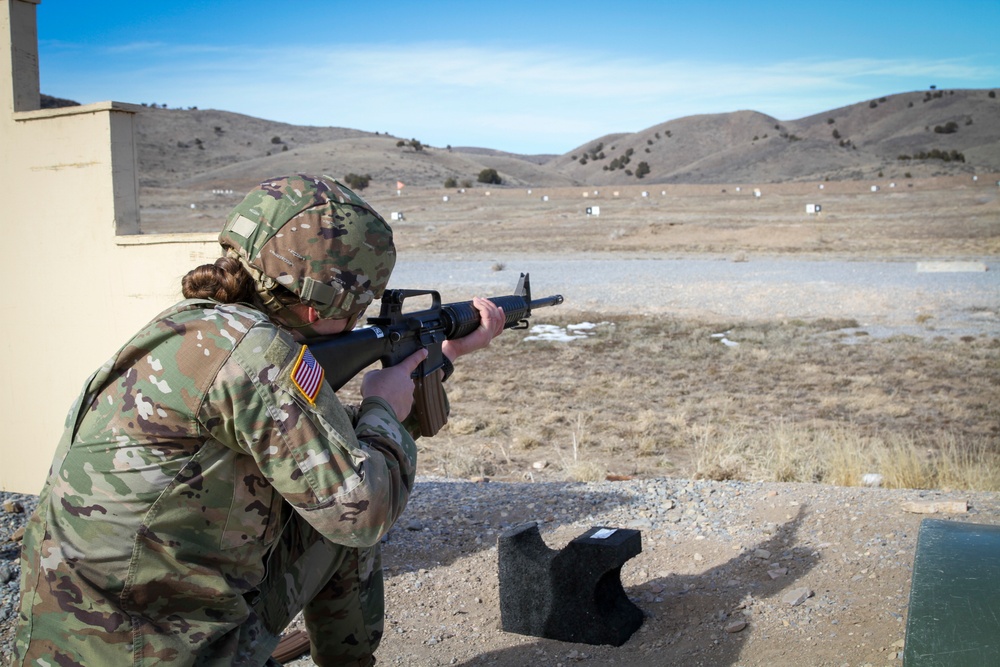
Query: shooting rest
{"type": "Point", "coordinates": [572, 595]}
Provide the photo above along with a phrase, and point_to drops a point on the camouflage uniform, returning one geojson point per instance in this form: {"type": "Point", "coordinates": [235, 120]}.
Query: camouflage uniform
{"type": "Point", "coordinates": [205, 491]}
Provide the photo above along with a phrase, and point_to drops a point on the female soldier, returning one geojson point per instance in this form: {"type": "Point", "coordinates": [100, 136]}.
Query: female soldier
{"type": "Point", "coordinates": [209, 484]}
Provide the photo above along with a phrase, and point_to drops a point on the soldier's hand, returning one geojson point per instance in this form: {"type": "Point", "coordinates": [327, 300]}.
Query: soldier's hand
{"type": "Point", "coordinates": [491, 321]}
{"type": "Point", "coordinates": [394, 384]}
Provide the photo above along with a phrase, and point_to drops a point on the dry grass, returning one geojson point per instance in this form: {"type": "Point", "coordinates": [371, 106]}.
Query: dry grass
{"type": "Point", "coordinates": [795, 401]}
{"type": "Point", "coordinates": [843, 456]}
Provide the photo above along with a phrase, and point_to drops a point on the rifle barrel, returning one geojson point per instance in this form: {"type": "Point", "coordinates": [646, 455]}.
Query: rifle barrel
{"type": "Point", "coordinates": [554, 300]}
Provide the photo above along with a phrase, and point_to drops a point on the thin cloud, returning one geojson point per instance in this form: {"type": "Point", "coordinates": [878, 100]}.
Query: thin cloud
{"type": "Point", "coordinates": [134, 47]}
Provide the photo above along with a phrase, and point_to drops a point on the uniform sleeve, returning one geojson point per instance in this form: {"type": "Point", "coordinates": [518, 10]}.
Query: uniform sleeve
{"type": "Point", "coordinates": [411, 423]}
{"type": "Point", "coordinates": [351, 482]}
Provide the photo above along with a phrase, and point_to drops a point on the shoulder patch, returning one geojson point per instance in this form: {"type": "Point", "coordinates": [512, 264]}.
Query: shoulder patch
{"type": "Point", "coordinates": [277, 352]}
{"type": "Point", "coordinates": [307, 374]}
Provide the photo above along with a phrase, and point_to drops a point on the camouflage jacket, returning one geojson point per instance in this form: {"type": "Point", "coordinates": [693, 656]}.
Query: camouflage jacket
{"type": "Point", "coordinates": [167, 488]}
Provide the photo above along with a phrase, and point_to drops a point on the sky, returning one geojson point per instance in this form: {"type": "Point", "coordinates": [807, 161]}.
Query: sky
{"type": "Point", "coordinates": [524, 77]}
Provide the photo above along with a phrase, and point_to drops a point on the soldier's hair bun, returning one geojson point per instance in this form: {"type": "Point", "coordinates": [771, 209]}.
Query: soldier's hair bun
{"type": "Point", "coordinates": [225, 281]}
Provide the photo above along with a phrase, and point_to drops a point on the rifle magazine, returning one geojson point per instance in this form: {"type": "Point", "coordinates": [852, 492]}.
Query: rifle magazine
{"type": "Point", "coordinates": [430, 404]}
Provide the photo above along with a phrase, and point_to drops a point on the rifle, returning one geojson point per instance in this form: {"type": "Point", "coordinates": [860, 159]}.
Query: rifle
{"type": "Point", "coordinates": [395, 335]}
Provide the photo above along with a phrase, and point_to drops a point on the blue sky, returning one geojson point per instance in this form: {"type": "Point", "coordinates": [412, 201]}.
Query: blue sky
{"type": "Point", "coordinates": [526, 77]}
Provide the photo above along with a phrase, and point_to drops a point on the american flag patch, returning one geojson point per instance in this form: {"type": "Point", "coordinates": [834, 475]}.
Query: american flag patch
{"type": "Point", "coordinates": [307, 374]}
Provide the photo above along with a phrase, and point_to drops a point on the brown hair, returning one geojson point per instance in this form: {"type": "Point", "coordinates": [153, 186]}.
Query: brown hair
{"type": "Point", "coordinates": [225, 281]}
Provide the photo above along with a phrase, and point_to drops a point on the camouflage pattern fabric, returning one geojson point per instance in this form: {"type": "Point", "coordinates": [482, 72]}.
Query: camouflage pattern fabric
{"type": "Point", "coordinates": [195, 497]}
{"type": "Point", "coordinates": [315, 237]}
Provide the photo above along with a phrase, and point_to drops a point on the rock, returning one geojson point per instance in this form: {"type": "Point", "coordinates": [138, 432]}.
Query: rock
{"type": "Point", "coordinates": [13, 507]}
{"type": "Point", "coordinates": [936, 506]}
{"type": "Point", "coordinates": [735, 626]}
{"type": "Point", "coordinates": [797, 596]}
{"type": "Point", "coordinates": [872, 479]}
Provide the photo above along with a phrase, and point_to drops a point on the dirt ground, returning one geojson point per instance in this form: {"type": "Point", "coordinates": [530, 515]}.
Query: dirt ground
{"type": "Point", "coordinates": [936, 217]}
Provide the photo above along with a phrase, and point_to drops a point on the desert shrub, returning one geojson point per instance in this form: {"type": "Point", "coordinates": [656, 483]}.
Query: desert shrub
{"type": "Point", "coordinates": [275, 140]}
{"type": "Point", "coordinates": [490, 176]}
{"type": "Point", "coordinates": [596, 153]}
{"type": "Point", "coordinates": [357, 181]}
{"type": "Point", "coordinates": [992, 94]}
{"type": "Point", "coordinates": [400, 143]}
{"type": "Point", "coordinates": [936, 154]}
{"type": "Point", "coordinates": [836, 134]}
{"type": "Point", "coordinates": [948, 128]}
{"type": "Point", "coordinates": [641, 170]}
{"type": "Point", "coordinates": [450, 182]}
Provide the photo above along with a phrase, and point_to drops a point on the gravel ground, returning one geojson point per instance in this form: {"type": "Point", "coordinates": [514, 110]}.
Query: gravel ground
{"type": "Point", "coordinates": [731, 573]}
{"type": "Point", "coordinates": [15, 508]}
{"type": "Point", "coordinates": [721, 566]}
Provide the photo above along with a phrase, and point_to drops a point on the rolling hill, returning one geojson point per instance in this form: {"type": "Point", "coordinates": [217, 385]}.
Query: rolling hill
{"type": "Point", "coordinates": [928, 133]}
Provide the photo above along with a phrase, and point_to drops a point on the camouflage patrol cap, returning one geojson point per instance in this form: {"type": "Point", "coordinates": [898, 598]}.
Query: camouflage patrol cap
{"type": "Point", "coordinates": [315, 238]}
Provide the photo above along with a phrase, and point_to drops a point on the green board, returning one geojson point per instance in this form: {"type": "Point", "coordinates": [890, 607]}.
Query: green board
{"type": "Point", "coordinates": [954, 614]}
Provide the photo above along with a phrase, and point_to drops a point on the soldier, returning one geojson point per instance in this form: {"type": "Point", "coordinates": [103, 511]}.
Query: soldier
{"type": "Point", "coordinates": [209, 484]}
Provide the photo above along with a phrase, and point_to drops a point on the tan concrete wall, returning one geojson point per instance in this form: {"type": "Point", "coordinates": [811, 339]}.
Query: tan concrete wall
{"type": "Point", "coordinates": [78, 276]}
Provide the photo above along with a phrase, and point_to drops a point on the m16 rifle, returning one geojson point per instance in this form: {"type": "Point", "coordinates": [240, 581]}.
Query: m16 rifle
{"type": "Point", "coordinates": [395, 335]}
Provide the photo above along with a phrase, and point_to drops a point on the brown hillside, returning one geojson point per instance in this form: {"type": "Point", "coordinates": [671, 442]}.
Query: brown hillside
{"type": "Point", "coordinates": [208, 148]}
{"type": "Point", "coordinates": [857, 141]}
